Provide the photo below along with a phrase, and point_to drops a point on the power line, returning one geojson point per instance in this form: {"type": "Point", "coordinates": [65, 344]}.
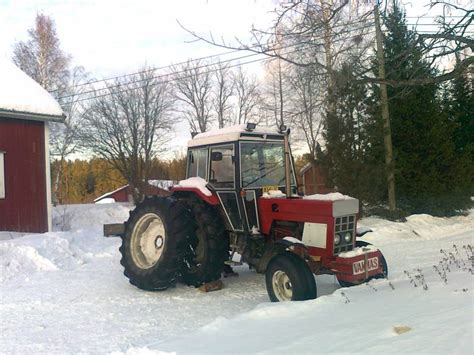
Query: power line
{"type": "Point", "coordinates": [170, 80]}
{"type": "Point", "coordinates": [199, 67]}
{"type": "Point", "coordinates": [185, 77]}
{"type": "Point", "coordinates": [208, 64]}
{"type": "Point", "coordinates": [210, 57]}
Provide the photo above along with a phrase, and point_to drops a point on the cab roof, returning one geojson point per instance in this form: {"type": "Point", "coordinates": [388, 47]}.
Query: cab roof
{"type": "Point", "coordinates": [235, 133]}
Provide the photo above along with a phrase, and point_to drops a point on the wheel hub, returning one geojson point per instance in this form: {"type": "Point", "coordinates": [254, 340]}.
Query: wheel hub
{"type": "Point", "coordinates": [282, 286]}
{"type": "Point", "coordinates": [148, 240]}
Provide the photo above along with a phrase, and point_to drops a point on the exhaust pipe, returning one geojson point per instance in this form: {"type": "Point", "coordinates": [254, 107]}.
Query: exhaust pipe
{"type": "Point", "coordinates": [287, 162]}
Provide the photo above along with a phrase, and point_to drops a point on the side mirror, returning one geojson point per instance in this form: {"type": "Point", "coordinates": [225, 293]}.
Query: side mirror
{"type": "Point", "coordinates": [216, 156]}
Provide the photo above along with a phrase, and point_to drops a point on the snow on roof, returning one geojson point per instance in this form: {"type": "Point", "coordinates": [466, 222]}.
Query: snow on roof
{"type": "Point", "coordinates": [20, 94]}
{"type": "Point", "coordinates": [107, 194]}
{"type": "Point", "coordinates": [334, 196]}
{"type": "Point", "coordinates": [161, 184]}
{"type": "Point", "coordinates": [229, 134]}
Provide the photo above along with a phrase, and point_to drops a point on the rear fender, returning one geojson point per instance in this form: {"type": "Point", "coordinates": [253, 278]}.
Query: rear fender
{"type": "Point", "coordinates": [187, 192]}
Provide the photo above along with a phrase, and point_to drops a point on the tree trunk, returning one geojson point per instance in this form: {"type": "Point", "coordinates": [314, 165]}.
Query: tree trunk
{"type": "Point", "coordinates": [387, 134]}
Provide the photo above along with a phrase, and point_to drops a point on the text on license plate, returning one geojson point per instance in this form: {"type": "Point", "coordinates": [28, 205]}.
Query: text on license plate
{"type": "Point", "coordinates": [359, 266]}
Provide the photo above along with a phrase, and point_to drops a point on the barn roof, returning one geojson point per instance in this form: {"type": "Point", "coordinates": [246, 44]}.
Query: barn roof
{"type": "Point", "coordinates": [23, 98]}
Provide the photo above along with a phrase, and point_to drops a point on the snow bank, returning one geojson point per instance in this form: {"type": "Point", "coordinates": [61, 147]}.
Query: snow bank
{"type": "Point", "coordinates": [29, 253]}
{"type": "Point", "coordinates": [80, 216]}
{"type": "Point", "coordinates": [19, 92]}
{"type": "Point", "coordinates": [64, 292]}
{"type": "Point", "coordinates": [420, 226]}
{"type": "Point", "coordinates": [334, 196]}
{"type": "Point", "coordinates": [196, 182]}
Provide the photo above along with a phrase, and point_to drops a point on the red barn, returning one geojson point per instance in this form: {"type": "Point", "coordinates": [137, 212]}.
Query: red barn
{"type": "Point", "coordinates": [25, 184]}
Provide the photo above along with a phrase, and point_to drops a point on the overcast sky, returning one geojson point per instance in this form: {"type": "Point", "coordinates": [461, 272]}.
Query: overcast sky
{"type": "Point", "coordinates": [113, 37]}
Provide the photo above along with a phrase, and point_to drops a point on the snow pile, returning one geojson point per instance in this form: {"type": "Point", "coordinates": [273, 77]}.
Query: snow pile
{"type": "Point", "coordinates": [21, 259]}
{"type": "Point", "coordinates": [197, 183]}
{"type": "Point", "coordinates": [75, 217]}
{"type": "Point", "coordinates": [334, 196]}
{"type": "Point", "coordinates": [273, 194]}
{"type": "Point", "coordinates": [358, 251]}
{"type": "Point", "coordinates": [19, 92]}
{"type": "Point", "coordinates": [29, 253]}
{"type": "Point", "coordinates": [418, 227]}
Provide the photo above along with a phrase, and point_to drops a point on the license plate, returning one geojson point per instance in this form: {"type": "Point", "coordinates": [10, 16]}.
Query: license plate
{"type": "Point", "coordinates": [359, 266]}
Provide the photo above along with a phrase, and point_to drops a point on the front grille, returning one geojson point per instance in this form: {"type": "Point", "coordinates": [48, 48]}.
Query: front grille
{"type": "Point", "coordinates": [342, 226]}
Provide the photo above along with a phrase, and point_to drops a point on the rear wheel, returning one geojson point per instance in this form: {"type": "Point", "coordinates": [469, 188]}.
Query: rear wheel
{"type": "Point", "coordinates": [150, 253]}
{"type": "Point", "coordinates": [206, 249]}
{"type": "Point", "coordinates": [383, 275]}
{"type": "Point", "coordinates": [288, 278]}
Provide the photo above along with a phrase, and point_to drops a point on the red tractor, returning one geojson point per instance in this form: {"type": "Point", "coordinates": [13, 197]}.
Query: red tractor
{"type": "Point", "coordinates": [239, 203]}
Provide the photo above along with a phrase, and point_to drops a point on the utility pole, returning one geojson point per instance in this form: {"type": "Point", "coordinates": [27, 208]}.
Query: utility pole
{"type": "Point", "coordinates": [387, 133]}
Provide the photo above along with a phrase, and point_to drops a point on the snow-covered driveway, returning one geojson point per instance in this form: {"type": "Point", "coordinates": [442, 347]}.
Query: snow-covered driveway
{"type": "Point", "coordinates": [64, 292]}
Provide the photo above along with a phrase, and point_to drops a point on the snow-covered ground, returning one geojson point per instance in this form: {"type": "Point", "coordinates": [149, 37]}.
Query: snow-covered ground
{"type": "Point", "coordinates": [64, 292]}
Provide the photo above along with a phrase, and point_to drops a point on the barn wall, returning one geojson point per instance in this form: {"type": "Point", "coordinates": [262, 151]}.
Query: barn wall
{"type": "Point", "coordinates": [24, 208]}
{"type": "Point", "coordinates": [312, 175]}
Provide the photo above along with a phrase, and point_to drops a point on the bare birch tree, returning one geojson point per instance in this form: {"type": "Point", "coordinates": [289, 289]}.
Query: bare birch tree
{"type": "Point", "coordinates": [248, 97]}
{"type": "Point", "coordinates": [222, 93]}
{"type": "Point", "coordinates": [128, 124]}
{"type": "Point", "coordinates": [193, 88]}
{"type": "Point", "coordinates": [41, 56]}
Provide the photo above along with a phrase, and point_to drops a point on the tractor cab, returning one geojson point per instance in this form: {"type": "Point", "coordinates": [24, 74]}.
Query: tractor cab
{"type": "Point", "coordinates": [241, 164]}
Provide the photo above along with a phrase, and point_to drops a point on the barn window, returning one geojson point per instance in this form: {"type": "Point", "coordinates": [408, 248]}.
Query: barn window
{"type": "Point", "coordinates": [2, 176]}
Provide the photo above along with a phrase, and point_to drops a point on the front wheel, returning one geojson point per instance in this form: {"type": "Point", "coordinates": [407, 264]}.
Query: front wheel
{"type": "Point", "coordinates": [288, 278]}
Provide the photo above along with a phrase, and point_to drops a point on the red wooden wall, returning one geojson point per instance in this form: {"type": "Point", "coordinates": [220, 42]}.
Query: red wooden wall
{"type": "Point", "coordinates": [315, 181]}
{"type": "Point", "coordinates": [24, 208]}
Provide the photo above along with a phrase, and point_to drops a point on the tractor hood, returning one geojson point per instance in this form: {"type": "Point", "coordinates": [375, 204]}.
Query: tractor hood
{"type": "Point", "coordinates": [314, 208]}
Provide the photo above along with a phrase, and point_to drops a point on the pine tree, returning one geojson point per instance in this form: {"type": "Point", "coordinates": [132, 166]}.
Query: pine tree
{"type": "Point", "coordinates": [352, 157]}
{"type": "Point", "coordinates": [461, 110]}
{"type": "Point", "coordinates": [430, 176]}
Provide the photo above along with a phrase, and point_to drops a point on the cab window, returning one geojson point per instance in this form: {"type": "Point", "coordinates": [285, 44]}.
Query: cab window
{"type": "Point", "coordinates": [197, 163]}
{"type": "Point", "coordinates": [222, 167]}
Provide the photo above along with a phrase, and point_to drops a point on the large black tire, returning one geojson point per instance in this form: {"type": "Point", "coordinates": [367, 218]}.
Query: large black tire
{"type": "Point", "coordinates": [150, 249]}
{"type": "Point", "coordinates": [383, 275]}
{"type": "Point", "coordinates": [207, 248]}
{"type": "Point", "coordinates": [288, 278]}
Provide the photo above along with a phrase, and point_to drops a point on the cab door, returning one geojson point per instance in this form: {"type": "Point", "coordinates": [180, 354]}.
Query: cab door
{"type": "Point", "coordinates": [222, 179]}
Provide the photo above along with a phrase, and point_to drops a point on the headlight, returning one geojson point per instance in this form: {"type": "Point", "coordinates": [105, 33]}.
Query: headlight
{"type": "Point", "coordinates": [337, 239]}
{"type": "Point", "coordinates": [348, 237]}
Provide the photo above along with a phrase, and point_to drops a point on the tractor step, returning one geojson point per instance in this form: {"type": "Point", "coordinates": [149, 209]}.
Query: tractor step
{"type": "Point", "coordinates": [212, 286]}
{"type": "Point", "coordinates": [114, 230]}
{"type": "Point", "coordinates": [233, 263]}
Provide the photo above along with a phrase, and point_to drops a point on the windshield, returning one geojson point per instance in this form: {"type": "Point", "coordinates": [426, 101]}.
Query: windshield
{"type": "Point", "coordinates": [263, 164]}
